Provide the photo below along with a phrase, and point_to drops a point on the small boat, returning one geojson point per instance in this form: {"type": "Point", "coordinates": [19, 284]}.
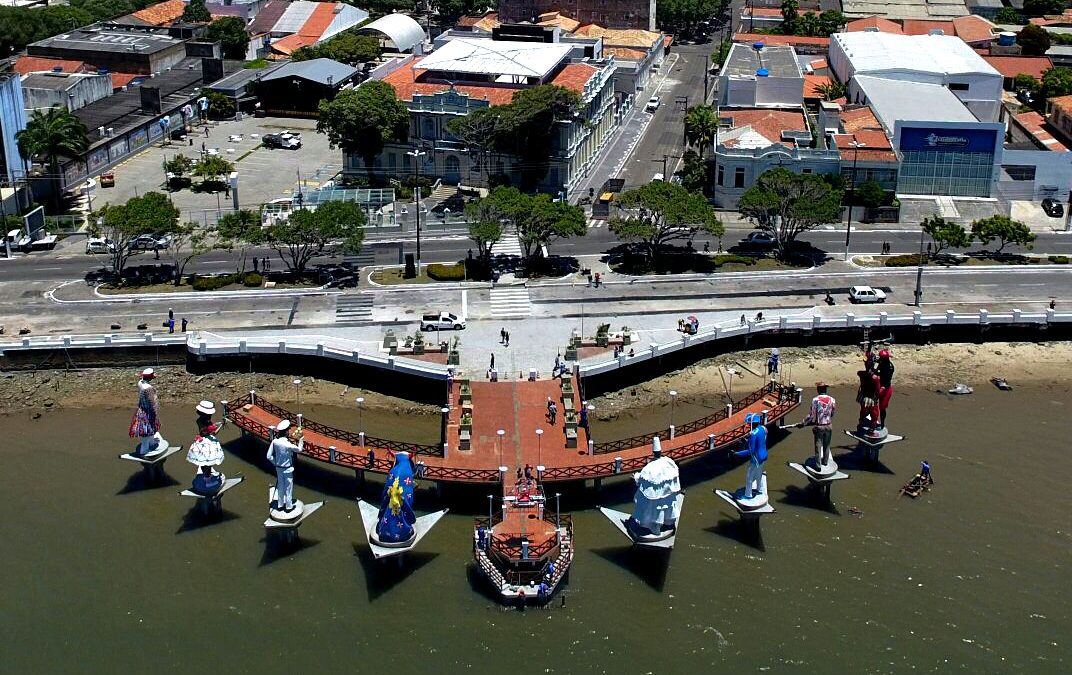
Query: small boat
{"type": "Point", "coordinates": [527, 550]}
{"type": "Point", "coordinates": [1001, 383]}
{"type": "Point", "coordinates": [961, 389]}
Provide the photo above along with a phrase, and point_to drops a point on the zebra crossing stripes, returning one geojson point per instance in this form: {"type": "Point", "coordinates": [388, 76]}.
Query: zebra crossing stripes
{"type": "Point", "coordinates": [353, 308]}
{"type": "Point", "coordinates": [508, 245]}
{"type": "Point", "coordinates": [595, 223]}
{"type": "Point", "coordinates": [510, 301]}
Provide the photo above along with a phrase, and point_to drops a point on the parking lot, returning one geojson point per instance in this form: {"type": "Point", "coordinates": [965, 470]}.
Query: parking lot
{"type": "Point", "coordinates": [263, 174]}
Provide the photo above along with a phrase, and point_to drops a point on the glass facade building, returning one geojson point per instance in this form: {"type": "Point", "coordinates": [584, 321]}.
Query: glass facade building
{"type": "Point", "coordinates": [955, 160]}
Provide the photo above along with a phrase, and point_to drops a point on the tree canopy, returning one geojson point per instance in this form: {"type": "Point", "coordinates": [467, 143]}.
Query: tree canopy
{"type": "Point", "coordinates": [1004, 229]}
{"type": "Point", "coordinates": [660, 212]}
{"type": "Point", "coordinates": [19, 26]}
{"type": "Point", "coordinates": [151, 213]}
{"type": "Point", "coordinates": [1033, 40]}
{"type": "Point", "coordinates": [238, 232]}
{"type": "Point", "coordinates": [1009, 15]}
{"type": "Point", "coordinates": [685, 15]}
{"type": "Point", "coordinates": [701, 127]}
{"type": "Point", "coordinates": [1043, 7]}
{"type": "Point", "coordinates": [48, 136]}
{"type": "Point", "coordinates": [306, 234]}
{"type": "Point", "coordinates": [786, 204]}
{"type": "Point", "coordinates": [1056, 82]}
{"type": "Point", "coordinates": [231, 32]}
{"type": "Point", "coordinates": [212, 167]}
{"type": "Point", "coordinates": [347, 47]}
{"type": "Point", "coordinates": [362, 119]}
{"type": "Point", "coordinates": [196, 12]}
{"type": "Point", "coordinates": [537, 219]}
{"type": "Point", "coordinates": [945, 233]}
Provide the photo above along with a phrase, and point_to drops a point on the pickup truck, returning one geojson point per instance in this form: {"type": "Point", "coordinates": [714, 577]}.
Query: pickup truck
{"type": "Point", "coordinates": [441, 321]}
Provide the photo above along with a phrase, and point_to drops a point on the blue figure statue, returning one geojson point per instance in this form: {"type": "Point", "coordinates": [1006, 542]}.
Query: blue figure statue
{"type": "Point", "coordinates": [396, 518]}
{"type": "Point", "coordinates": [756, 452]}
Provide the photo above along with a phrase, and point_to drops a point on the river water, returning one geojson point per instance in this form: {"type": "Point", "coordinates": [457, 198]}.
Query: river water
{"type": "Point", "coordinates": [100, 576]}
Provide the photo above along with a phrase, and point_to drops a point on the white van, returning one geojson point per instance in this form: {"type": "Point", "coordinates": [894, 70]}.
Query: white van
{"type": "Point", "coordinates": [657, 177]}
{"type": "Point", "coordinates": [99, 245]}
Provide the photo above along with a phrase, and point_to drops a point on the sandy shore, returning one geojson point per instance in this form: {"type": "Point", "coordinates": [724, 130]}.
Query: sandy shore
{"type": "Point", "coordinates": [937, 366]}
{"type": "Point", "coordinates": [117, 388]}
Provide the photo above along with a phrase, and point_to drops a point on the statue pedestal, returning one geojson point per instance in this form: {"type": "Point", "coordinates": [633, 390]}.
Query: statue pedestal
{"type": "Point", "coordinates": [749, 508]}
{"type": "Point", "coordinates": [213, 504]}
{"type": "Point", "coordinates": [820, 476]}
{"type": "Point", "coordinates": [640, 536]}
{"type": "Point", "coordinates": [872, 443]}
{"type": "Point", "coordinates": [152, 463]}
{"type": "Point", "coordinates": [284, 524]}
{"type": "Point", "coordinates": [370, 515]}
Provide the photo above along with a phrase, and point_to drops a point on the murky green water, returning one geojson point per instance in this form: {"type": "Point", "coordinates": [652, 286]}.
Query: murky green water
{"type": "Point", "coordinates": [972, 577]}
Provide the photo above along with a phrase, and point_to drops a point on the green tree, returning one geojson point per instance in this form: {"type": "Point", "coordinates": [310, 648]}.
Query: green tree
{"type": "Point", "coordinates": [659, 213]}
{"type": "Point", "coordinates": [790, 16]}
{"type": "Point", "coordinates": [351, 48]}
{"type": "Point", "coordinates": [450, 10]}
{"type": "Point", "coordinates": [478, 131]}
{"type": "Point", "coordinates": [550, 220]}
{"type": "Point", "coordinates": [306, 234]}
{"type": "Point", "coordinates": [151, 213]}
{"type": "Point", "coordinates": [1056, 82]}
{"type": "Point", "coordinates": [176, 168]}
{"type": "Point", "coordinates": [188, 241]}
{"type": "Point", "coordinates": [830, 22]}
{"type": "Point", "coordinates": [785, 205]}
{"type": "Point", "coordinates": [485, 234]}
{"type": "Point", "coordinates": [220, 107]}
{"type": "Point", "coordinates": [1009, 15]}
{"type": "Point", "coordinates": [684, 15]}
{"type": "Point", "coordinates": [945, 234]}
{"type": "Point", "coordinates": [238, 232]}
{"type": "Point", "coordinates": [694, 172]}
{"type": "Point", "coordinates": [232, 35]}
{"type": "Point", "coordinates": [701, 127]}
{"type": "Point", "coordinates": [870, 194]}
{"type": "Point", "coordinates": [196, 12]}
{"type": "Point", "coordinates": [1004, 229]}
{"type": "Point", "coordinates": [527, 127]}
{"type": "Point", "coordinates": [212, 167]}
{"type": "Point", "coordinates": [1043, 7]}
{"type": "Point", "coordinates": [808, 25]}
{"type": "Point", "coordinates": [361, 120]}
{"type": "Point", "coordinates": [831, 91]}
{"type": "Point", "coordinates": [1033, 40]}
{"type": "Point", "coordinates": [48, 136]}
{"type": "Point", "coordinates": [1028, 82]}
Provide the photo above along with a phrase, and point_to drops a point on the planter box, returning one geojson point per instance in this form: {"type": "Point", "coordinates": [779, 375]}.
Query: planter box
{"type": "Point", "coordinates": [571, 353]}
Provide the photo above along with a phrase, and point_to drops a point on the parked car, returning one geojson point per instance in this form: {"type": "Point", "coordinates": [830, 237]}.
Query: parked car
{"type": "Point", "coordinates": [1053, 208]}
{"type": "Point", "coordinates": [441, 321]}
{"type": "Point", "coordinates": [759, 239]}
{"type": "Point", "coordinates": [860, 294]}
{"type": "Point", "coordinates": [653, 104]}
{"type": "Point", "coordinates": [99, 245]}
{"type": "Point", "coordinates": [150, 242]}
{"type": "Point", "coordinates": [284, 141]}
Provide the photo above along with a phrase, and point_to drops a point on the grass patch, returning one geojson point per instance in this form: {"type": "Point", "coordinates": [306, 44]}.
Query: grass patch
{"type": "Point", "coordinates": [678, 263]}
{"type": "Point", "coordinates": [256, 64]}
{"type": "Point", "coordinates": [226, 282]}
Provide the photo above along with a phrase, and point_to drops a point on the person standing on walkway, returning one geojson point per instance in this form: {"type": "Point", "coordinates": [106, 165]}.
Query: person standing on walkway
{"type": "Point", "coordinates": [502, 335]}
{"type": "Point", "coordinates": [184, 322]}
{"type": "Point", "coordinates": [492, 366]}
{"type": "Point", "coordinates": [553, 413]}
{"type": "Point", "coordinates": [171, 325]}
{"type": "Point", "coordinates": [507, 336]}
{"type": "Point", "coordinates": [170, 314]}
{"type": "Point", "coordinates": [821, 414]}
{"type": "Point", "coordinates": [584, 416]}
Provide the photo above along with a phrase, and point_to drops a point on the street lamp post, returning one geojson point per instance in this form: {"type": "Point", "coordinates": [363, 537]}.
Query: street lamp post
{"type": "Point", "coordinates": [416, 154]}
{"type": "Point", "coordinates": [491, 512]}
{"type": "Point", "coordinates": [673, 397]}
{"type": "Point", "coordinates": [856, 145]}
{"type": "Point", "coordinates": [919, 271]}
{"type": "Point", "coordinates": [539, 447]}
{"type": "Point", "coordinates": [360, 413]}
{"type": "Point", "coordinates": [501, 433]}
{"type": "Point", "coordinates": [297, 393]}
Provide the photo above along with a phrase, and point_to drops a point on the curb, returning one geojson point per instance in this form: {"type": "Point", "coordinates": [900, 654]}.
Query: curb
{"type": "Point", "coordinates": [191, 295]}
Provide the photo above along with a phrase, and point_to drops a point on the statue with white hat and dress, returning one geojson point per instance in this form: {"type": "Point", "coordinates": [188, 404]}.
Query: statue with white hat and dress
{"type": "Point", "coordinates": [206, 453]}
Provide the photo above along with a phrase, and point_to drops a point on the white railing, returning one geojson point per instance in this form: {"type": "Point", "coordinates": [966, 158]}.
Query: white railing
{"type": "Point", "coordinates": [729, 329]}
{"type": "Point", "coordinates": [93, 341]}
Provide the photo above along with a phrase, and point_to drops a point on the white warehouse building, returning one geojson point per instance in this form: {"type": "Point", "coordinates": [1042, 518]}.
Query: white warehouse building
{"type": "Point", "coordinates": [931, 59]}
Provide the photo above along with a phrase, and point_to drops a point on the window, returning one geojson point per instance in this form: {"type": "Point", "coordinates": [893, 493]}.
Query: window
{"type": "Point", "coordinates": [805, 171]}
{"type": "Point", "coordinates": [1017, 172]}
{"type": "Point", "coordinates": [738, 177]}
{"type": "Point", "coordinates": [721, 174]}
{"type": "Point", "coordinates": [958, 86]}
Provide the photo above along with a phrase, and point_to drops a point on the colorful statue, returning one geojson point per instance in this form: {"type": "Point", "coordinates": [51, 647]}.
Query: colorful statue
{"type": "Point", "coordinates": [884, 369]}
{"type": "Point", "coordinates": [396, 517]}
{"type": "Point", "coordinates": [821, 415]}
{"type": "Point", "coordinates": [656, 507]}
{"type": "Point", "coordinates": [146, 421]}
{"type": "Point", "coordinates": [756, 452]}
{"type": "Point", "coordinates": [281, 453]}
{"type": "Point", "coordinates": [205, 411]}
{"type": "Point", "coordinates": [868, 397]}
{"type": "Point", "coordinates": [206, 453]}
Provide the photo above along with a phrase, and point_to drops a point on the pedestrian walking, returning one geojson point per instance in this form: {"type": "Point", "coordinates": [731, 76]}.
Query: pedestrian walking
{"type": "Point", "coordinates": [507, 338]}
{"type": "Point", "coordinates": [553, 413]}
{"type": "Point", "coordinates": [584, 416]}
{"type": "Point", "coordinates": [502, 335]}
{"type": "Point", "coordinates": [558, 362]}
{"type": "Point", "coordinates": [170, 314]}
{"type": "Point", "coordinates": [171, 325]}
{"type": "Point", "coordinates": [549, 404]}
{"type": "Point", "coordinates": [184, 322]}
{"type": "Point", "coordinates": [492, 366]}
{"type": "Point", "coordinates": [255, 261]}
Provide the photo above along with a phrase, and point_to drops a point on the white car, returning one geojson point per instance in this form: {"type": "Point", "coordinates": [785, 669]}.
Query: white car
{"type": "Point", "coordinates": [653, 104]}
{"type": "Point", "coordinates": [99, 245]}
{"type": "Point", "coordinates": [441, 321]}
{"type": "Point", "coordinates": [866, 294]}
{"type": "Point", "coordinates": [759, 239]}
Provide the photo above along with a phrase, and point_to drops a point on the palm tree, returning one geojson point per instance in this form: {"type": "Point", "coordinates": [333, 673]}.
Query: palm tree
{"type": "Point", "coordinates": [830, 91]}
{"type": "Point", "coordinates": [48, 136]}
{"type": "Point", "coordinates": [701, 126]}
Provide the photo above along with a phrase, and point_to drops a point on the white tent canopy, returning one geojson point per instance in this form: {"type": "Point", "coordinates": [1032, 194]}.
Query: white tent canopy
{"type": "Point", "coordinates": [401, 29]}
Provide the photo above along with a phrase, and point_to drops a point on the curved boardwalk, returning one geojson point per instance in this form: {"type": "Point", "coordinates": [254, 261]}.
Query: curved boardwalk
{"type": "Point", "coordinates": [518, 408]}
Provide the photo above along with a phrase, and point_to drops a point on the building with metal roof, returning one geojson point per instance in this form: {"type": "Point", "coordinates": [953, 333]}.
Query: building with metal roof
{"type": "Point", "coordinates": [507, 62]}
{"type": "Point", "coordinates": [69, 91]}
{"type": "Point", "coordinates": [399, 32]}
{"type": "Point", "coordinates": [297, 88]}
{"type": "Point", "coordinates": [761, 76]}
{"type": "Point", "coordinates": [127, 49]}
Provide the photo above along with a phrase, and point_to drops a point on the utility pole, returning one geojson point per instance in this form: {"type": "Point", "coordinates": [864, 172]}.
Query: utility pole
{"type": "Point", "coordinates": [919, 270]}
{"type": "Point", "coordinates": [706, 76]}
{"type": "Point", "coordinates": [416, 154]}
{"type": "Point", "coordinates": [1068, 212]}
{"type": "Point", "coordinates": [852, 195]}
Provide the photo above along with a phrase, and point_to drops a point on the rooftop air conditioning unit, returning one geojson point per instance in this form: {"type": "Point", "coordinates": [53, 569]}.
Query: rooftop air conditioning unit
{"type": "Point", "coordinates": [111, 130]}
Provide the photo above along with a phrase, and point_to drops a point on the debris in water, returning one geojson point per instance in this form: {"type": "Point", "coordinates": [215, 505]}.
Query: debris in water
{"type": "Point", "coordinates": [961, 389]}
{"type": "Point", "coordinates": [1001, 383]}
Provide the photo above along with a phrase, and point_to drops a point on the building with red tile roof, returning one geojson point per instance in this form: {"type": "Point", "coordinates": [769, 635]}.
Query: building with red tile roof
{"type": "Point", "coordinates": [24, 65]}
{"type": "Point", "coordinates": [465, 74]}
{"type": "Point", "coordinates": [304, 23]}
{"type": "Point", "coordinates": [1011, 66]}
{"type": "Point", "coordinates": [1039, 130]}
{"type": "Point", "coordinates": [803, 45]}
{"type": "Point", "coordinates": [162, 13]}
{"type": "Point", "coordinates": [874, 23]}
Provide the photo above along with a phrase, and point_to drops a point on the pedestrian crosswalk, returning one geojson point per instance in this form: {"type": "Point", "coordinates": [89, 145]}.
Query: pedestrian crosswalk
{"type": "Point", "coordinates": [594, 223]}
{"type": "Point", "coordinates": [510, 301]}
{"type": "Point", "coordinates": [353, 308]}
{"type": "Point", "coordinates": [508, 245]}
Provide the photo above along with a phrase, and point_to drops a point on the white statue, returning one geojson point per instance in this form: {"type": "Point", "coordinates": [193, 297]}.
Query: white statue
{"type": "Point", "coordinates": [281, 453]}
{"type": "Point", "coordinates": [656, 504]}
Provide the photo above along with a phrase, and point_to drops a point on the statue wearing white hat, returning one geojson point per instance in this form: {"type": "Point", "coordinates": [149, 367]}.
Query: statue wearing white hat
{"type": "Point", "coordinates": [205, 411]}
{"type": "Point", "coordinates": [146, 421]}
{"type": "Point", "coordinates": [206, 453]}
{"type": "Point", "coordinates": [281, 453]}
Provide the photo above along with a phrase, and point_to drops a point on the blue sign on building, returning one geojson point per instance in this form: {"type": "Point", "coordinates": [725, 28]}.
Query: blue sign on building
{"type": "Point", "coordinates": [928, 139]}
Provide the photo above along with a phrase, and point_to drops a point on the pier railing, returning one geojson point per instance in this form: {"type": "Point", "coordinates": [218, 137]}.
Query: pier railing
{"type": "Point", "coordinates": [351, 437]}
{"type": "Point", "coordinates": [782, 391]}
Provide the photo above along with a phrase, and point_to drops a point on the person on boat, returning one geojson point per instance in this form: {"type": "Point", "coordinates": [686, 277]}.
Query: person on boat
{"type": "Point", "coordinates": [206, 453]}
{"type": "Point", "coordinates": [925, 472]}
{"type": "Point", "coordinates": [868, 398]}
{"type": "Point", "coordinates": [884, 368]}
{"type": "Point", "coordinates": [821, 416]}
{"type": "Point", "coordinates": [146, 420]}
{"type": "Point", "coordinates": [482, 537]}
{"type": "Point", "coordinates": [772, 363]}
{"type": "Point", "coordinates": [281, 451]}
{"type": "Point", "coordinates": [756, 452]}
{"type": "Point", "coordinates": [396, 517]}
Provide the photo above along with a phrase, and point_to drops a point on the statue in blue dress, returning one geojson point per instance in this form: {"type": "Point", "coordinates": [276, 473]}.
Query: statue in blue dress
{"type": "Point", "coordinates": [756, 453]}
{"type": "Point", "coordinates": [396, 518]}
